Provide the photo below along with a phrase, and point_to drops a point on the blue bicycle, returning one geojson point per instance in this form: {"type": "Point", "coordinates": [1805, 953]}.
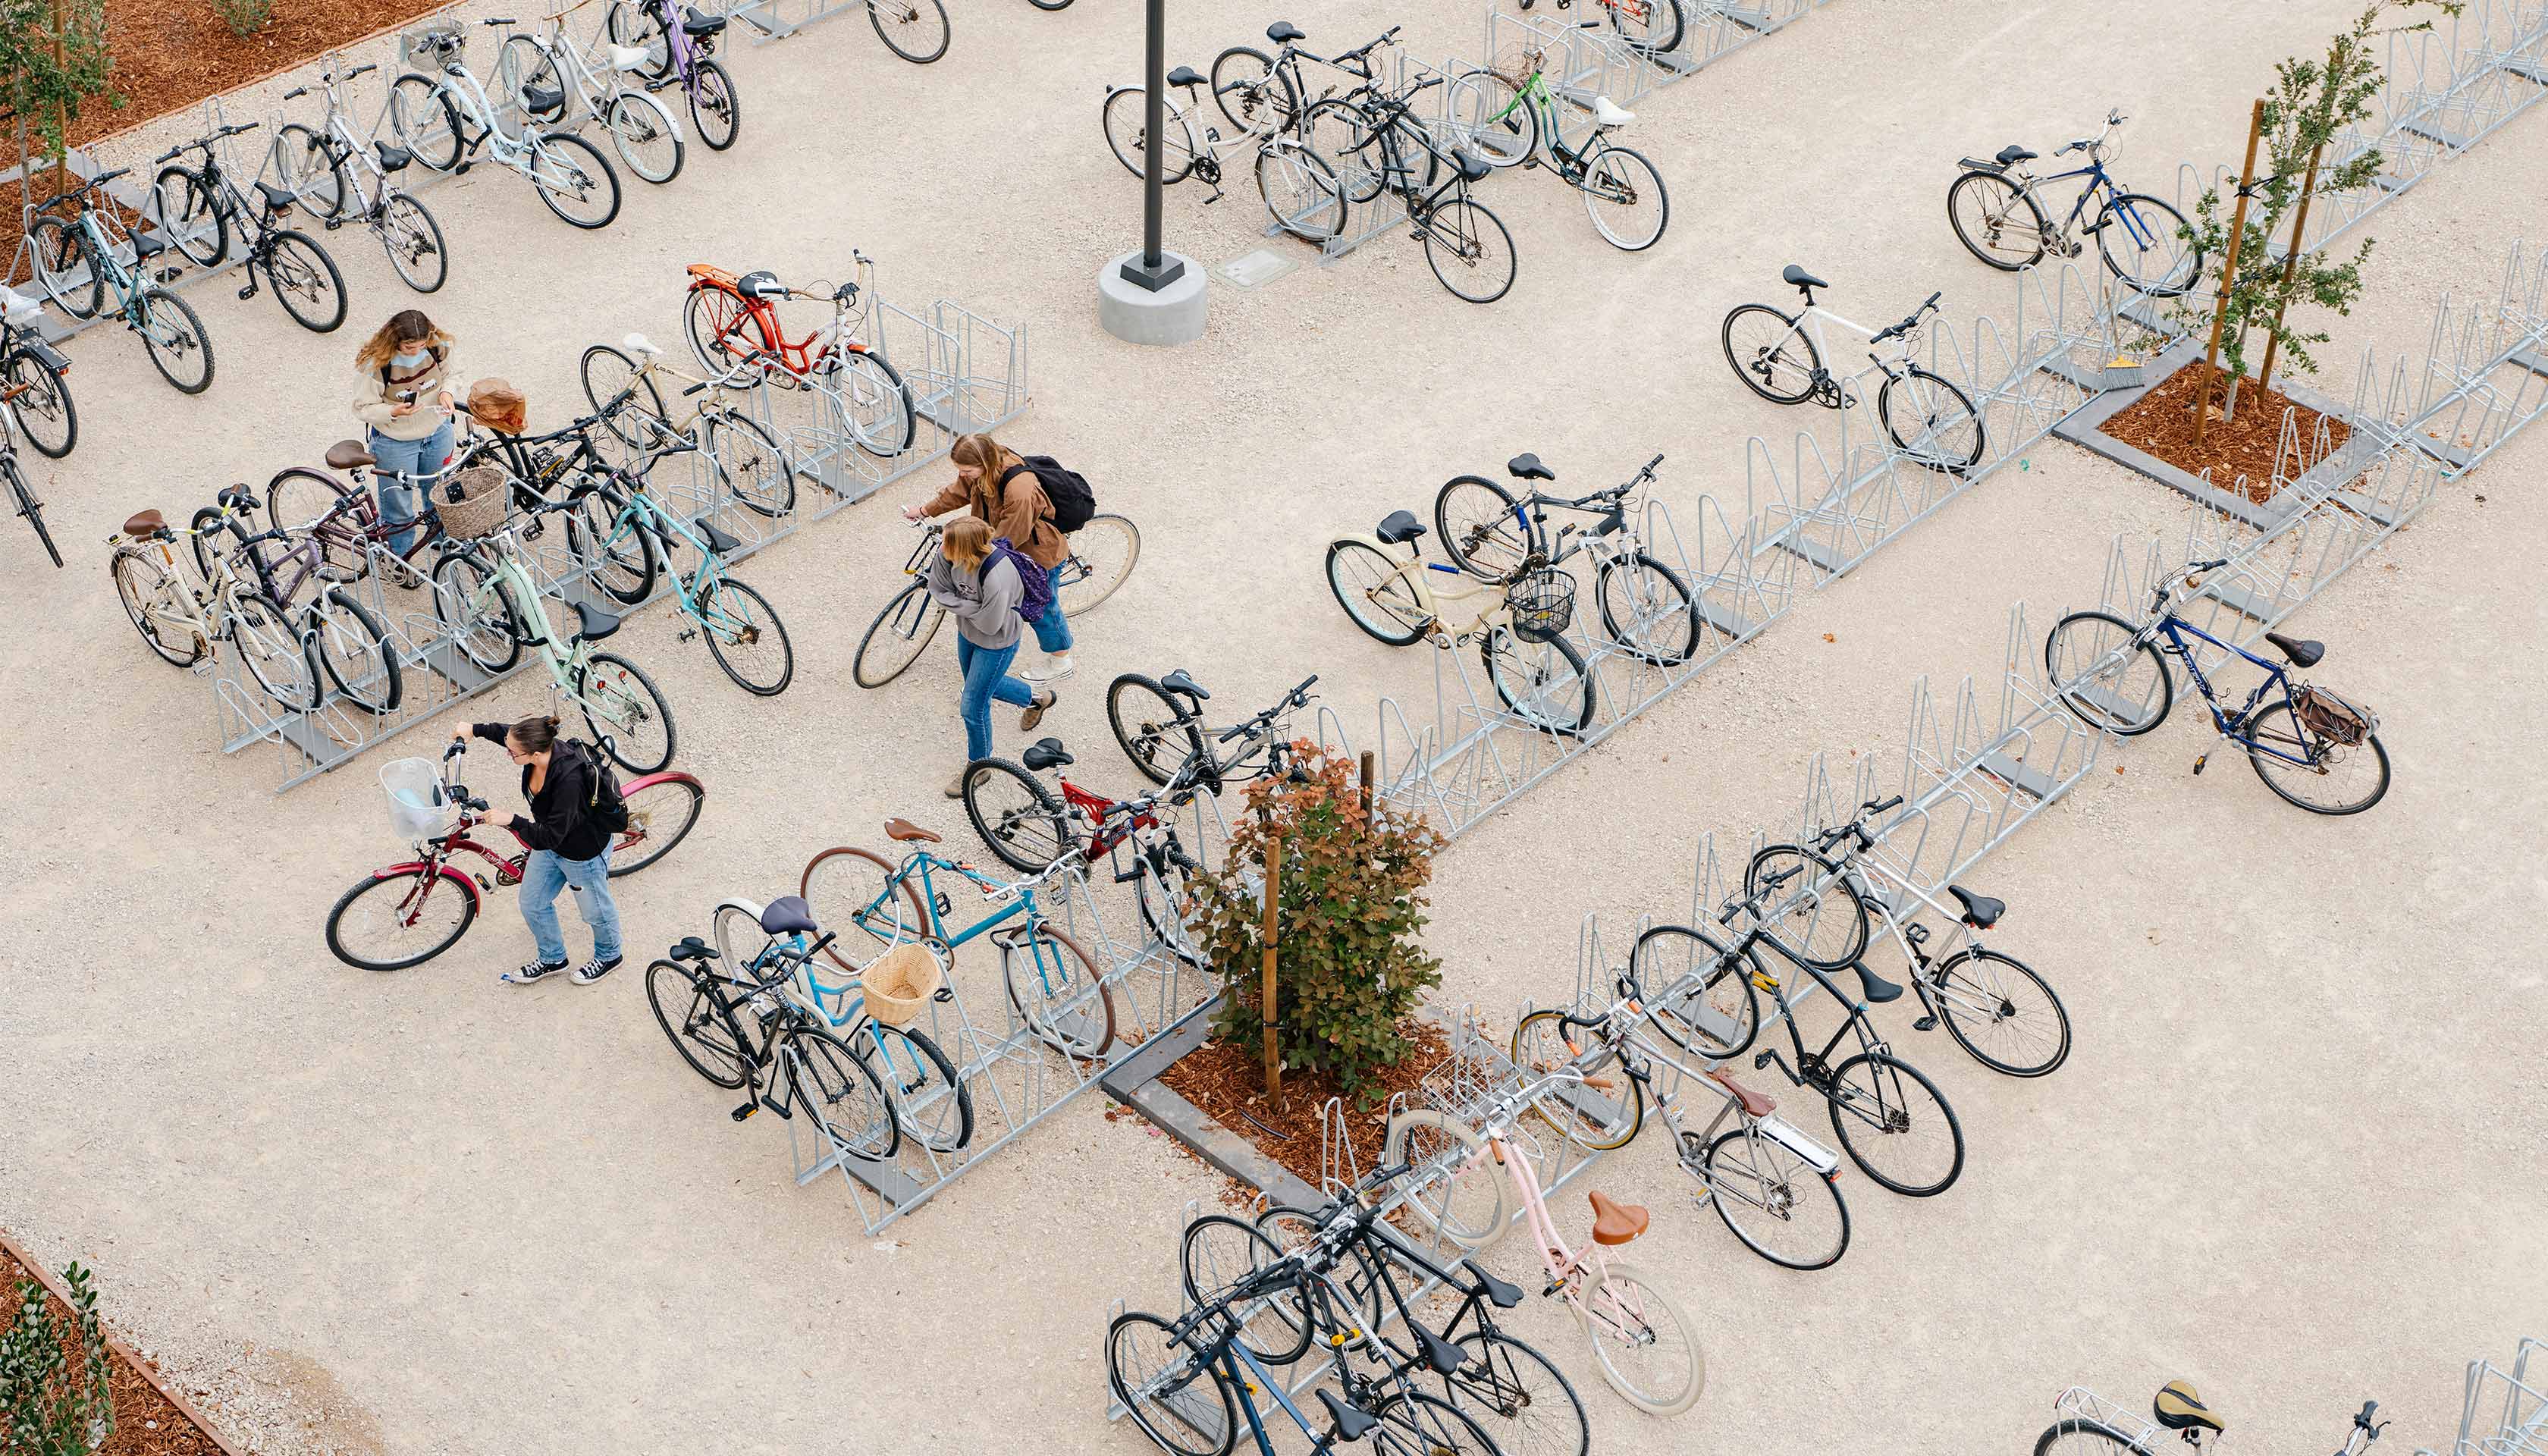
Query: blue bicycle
{"type": "Point", "coordinates": [2313, 748]}
{"type": "Point", "coordinates": [1052, 985]}
{"type": "Point", "coordinates": [2145, 241]}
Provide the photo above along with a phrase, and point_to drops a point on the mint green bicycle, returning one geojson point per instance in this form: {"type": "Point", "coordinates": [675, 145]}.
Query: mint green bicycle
{"type": "Point", "coordinates": [1516, 117]}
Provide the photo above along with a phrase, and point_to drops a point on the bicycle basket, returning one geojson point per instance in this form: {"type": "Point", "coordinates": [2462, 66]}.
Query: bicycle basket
{"type": "Point", "coordinates": [418, 808]}
{"type": "Point", "coordinates": [2330, 716]}
{"type": "Point", "coordinates": [482, 503]}
{"type": "Point", "coordinates": [897, 985]}
{"type": "Point", "coordinates": [1542, 603]}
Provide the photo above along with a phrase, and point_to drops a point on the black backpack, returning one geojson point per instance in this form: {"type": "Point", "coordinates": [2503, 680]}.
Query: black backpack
{"type": "Point", "coordinates": [607, 807]}
{"type": "Point", "coordinates": [1072, 501]}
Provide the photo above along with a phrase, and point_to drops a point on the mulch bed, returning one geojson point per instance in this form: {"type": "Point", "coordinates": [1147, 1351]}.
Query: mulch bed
{"type": "Point", "coordinates": [2239, 452]}
{"type": "Point", "coordinates": [147, 1421]}
{"type": "Point", "coordinates": [1226, 1081]}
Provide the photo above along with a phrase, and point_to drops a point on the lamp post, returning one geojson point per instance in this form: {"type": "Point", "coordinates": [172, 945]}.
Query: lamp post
{"type": "Point", "coordinates": [1152, 296]}
{"type": "Point", "coordinates": [1154, 269]}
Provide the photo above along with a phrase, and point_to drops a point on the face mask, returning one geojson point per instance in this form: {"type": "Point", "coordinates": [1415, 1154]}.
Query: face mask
{"type": "Point", "coordinates": [409, 363]}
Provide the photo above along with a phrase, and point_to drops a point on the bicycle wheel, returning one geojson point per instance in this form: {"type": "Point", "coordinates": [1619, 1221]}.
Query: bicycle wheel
{"type": "Point", "coordinates": [1375, 593]}
{"type": "Point", "coordinates": [659, 816]}
{"type": "Point", "coordinates": [858, 896]}
{"type": "Point", "coordinates": [645, 137]}
{"type": "Point", "coordinates": [933, 1105]}
{"type": "Point", "coordinates": [1469, 250]}
{"type": "Point", "coordinates": [626, 712]}
{"type": "Point", "coordinates": [274, 652]}
{"type": "Point", "coordinates": [2086, 1438]}
{"type": "Point", "coordinates": [1886, 1110]}
{"type": "Point", "coordinates": [1601, 1111]}
{"type": "Point", "coordinates": [303, 167]}
{"type": "Point", "coordinates": [1102, 555]}
{"type": "Point", "coordinates": [1696, 990]}
{"type": "Point", "coordinates": [1251, 93]}
{"type": "Point", "coordinates": [25, 503]}
{"type": "Point", "coordinates": [608, 374]}
{"type": "Point", "coordinates": [1773, 357]}
{"type": "Point", "coordinates": [1482, 527]}
{"type": "Point", "coordinates": [1491, 118]}
{"type": "Point", "coordinates": [398, 918]}
{"type": "Point", "coordinates": [477, 615]}
{"type": "Point", "coordinates": [841, 1090]}
{"type": "Point", "coordinates": [873, 401]}
{"type": "Point", "coordinates": [1355, 1282]}
{"type": "Point", "coordinates": [1057, 993]}
{"type": "Point", "coordinates": [715, 109]}
{"type": "Point", "coordinates": [915, 30]}
{"type": "Point", "coordinates": [2106, 675]}
{"type": "Point", "coordinates": [1931, 420]}
{"type": "Point", "coordinates": [62, 265]}
{"type": "Point", "coordinates": [413, 242]}
{"type": "Point", "coordinates": [1301, 191]}
{"type": "Point", "coordinates": [522, 67]}
{"type": "Point", "coordinates": [1339, 133]}
{"type": "Point", "coordinates": [575, 180]}
{"type": "Point", "coordinates": [745, 637]}
{"type": "Point", "coordinates": [1015, 815]}
{"type": "Point", "coordinates": [1647, 608]}
{"type": "Point", "coordinates": [1650, 26]}
{"type": "Point", "coordinates": [757, 469]}
{"type": "Point", "coordinates": [897, 637]}
{"type": "Point", "coordinates": [179, 348]}
{"type": "Point", "coordinates": [1539, 1411]}
{"type": "Point", "coordinates": [151, 598]}
{"type": "Point", "coordinates": [1126, 119]}
{"type": "Point", "coordinates": [1985, 997]}
{"type": "Point", "coordinates": [698, 1024]}
{"type": "Point", "coordinates": [353, 650]}
{"type": "Point", "coordinates": [1646, 1346]}
{"type": "Point", "coordinates": [1544, 684]}
{"type": "Point", "coordinates": [1624, 194]}
{"type": "Point", "coordinates": [2148, 245]}
{"type": "Point", "coordinates": [305, 280]}
{"type": "Point", "coordinates": [1147, 728]}
{"type": "Point", "coordinates": [2310, 772]}
{"type": "Point", "coordinates": [1168, 1387]}
{"type": "Point", "coordinates": [640, 27]}
{"type": "Point", "coordinates": [189, 216]}
{"type": "Point", "coordinates": [41, 407]}
{"type": "Point", "coordinates": [1813, 909]}
{"type": "Point", "coordinates": [617, 547]}
{"type": "Point", "coordinates": [1415, 1422]}
{"type": "Point", "coordinates": [423, 121]}
{"type": "Point", "coordinates": [1791, 1215]}
{"type": "Point", "coordinates": [721, 330]}
{"type": "Point", "coordinates": [1216, 1252]}
{"type": "Point", "coordinates": [1464, 1197]}
{"type": "Point", "coordinates": [1997, 221]}
{"type": "Point", "coordinates": [1164, 897]}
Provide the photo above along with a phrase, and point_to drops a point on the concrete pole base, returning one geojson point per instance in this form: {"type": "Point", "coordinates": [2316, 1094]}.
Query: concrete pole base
{"type": "Point", "coordinates": [1173, 315]}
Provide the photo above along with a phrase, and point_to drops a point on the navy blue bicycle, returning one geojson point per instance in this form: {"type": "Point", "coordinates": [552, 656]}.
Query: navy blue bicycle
{"type": "Point", "coordinates": [2145, 241]}
{"type": "Point", "coordinates": [2314, 749]}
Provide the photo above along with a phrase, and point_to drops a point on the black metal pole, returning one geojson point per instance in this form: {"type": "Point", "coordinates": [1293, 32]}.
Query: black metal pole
{"type": "Point", "coordinates": [1153, 270]}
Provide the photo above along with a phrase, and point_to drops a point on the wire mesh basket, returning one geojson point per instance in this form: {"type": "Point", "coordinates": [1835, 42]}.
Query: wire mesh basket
{"type": "Point", "coordinates": [1542, 603]}
{"type": "Point", "coordinates": [419, 807]}
{"type": "Point", "coordinates": [473, 504]}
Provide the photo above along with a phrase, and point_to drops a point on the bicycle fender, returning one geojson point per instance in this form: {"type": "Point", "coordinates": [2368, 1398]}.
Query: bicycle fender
{"type": "Point", "coordinates": [668, 776]}
{"type": "Point", "coordinates": [451, 872]}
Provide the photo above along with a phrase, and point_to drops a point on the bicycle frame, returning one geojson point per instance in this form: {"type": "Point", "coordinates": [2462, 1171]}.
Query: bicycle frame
{"type": "Point", "coordinates": [2176, 629]}
{"type": "Point", "coordinates": [694, 592]}
{"type": "Point", "coordinates": [1811, 322]}
{"type": "Point", "coordinates": [842, 1007]}
{"type": "Point", "coordinates": [566, 661]}
{"type": "Point", "coordinates": [800, 357]}
{"type": "Point", "coordinates": [1621, 1033]}
{"type": "Point", "coordinates": [1494, 614]}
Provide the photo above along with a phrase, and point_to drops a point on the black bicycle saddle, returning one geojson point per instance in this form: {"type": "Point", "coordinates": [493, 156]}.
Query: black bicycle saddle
{"type": "Point", "coordinates": [1875, 988]}
{"type": "Point", "coordinates": [2011, 155]}
{"type": "Point", "coordinates": [787, 915]}
{"type": "Point", "coordinates": [1283, 30]}
{"type": "Point", "coordinates": [1178, 682]}
{"type": "Point", "coordinates": [1185, 75]}
{"type": "Point", "coordinates": [1473, 166]}
{"type": "Point", "coordinates": [1801, 278]}
{"type": "Point", "coordinates": [1527, 467]}
{"type": "Point", "coordinates": [1046, 753]}
{"type": "Point", "coordinates": [1400, 527]}
{"type": "Point", "coordinates": [760, 283]}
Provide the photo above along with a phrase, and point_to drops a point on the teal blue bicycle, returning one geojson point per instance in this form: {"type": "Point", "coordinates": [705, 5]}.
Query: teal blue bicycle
{"type": "Point", "coordinates": [78, 257]}
{"type": "Point", "coordinates": [629, 536]}
{"type": "Point", "coordinates": [878, 904]}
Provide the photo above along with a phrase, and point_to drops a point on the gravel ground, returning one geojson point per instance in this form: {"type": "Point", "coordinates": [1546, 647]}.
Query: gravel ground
{"type": "Point", "coordinates": [345, 1208]}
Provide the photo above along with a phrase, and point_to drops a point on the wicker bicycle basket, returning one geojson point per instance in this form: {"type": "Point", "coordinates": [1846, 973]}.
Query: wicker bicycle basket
{"type": "Point", "coordinates": [1542, 603]}
{"type": "Point", "coordinates": [481, 506]}
{"type": "Point", "coordinates": [897, 985]}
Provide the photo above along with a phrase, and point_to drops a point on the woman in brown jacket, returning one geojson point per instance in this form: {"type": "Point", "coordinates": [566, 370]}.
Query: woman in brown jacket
{"type": "Point", "coordinates": [996, 486]}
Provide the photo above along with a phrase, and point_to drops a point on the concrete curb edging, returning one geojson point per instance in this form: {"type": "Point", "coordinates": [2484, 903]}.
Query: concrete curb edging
{"type": "Point", "coordinates": [1134, 1082]}
{"type": "Point", "coordinates": [149, 1373]}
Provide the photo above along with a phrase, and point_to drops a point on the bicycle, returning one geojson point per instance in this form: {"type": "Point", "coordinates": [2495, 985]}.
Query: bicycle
{"type": "Point", "coordinates": [201, 205]}
{"type": "Point", "coordinates": [1645, 605]}
{"type": "Point", "coordinates": [678, 46]}
{"type": "Point", "coordinates": [422, 906]}
{"type": "Point", "coordinates": [1780, 357]}
{"type": "Point", "coordinates": [77, 260]}
{"type": "Point", "coordinates": [806, 1066]}
{"type": "Point", "coordinates": [1977, 992]}
{"type": "Point", "coordinates": [1649, 26]}
{"type": "Point", "coordinates": [552, 79]}
{"type": "Point", "coordinates": [2104, 1430]}
{"type": "Point", "coordinates": [324, 170]}
{"type": "Point", "coordinates": [38, 398]}
{"type": "Point", "coordinates": [749, 460]}
{"type": "Point", "coordinates": [22, 496]}
{"type": "Point", "coordinates": [1298, 187]}
{"type": "Point", "coordinates": [341, 633]}
{"type": "Point", "coordinates": [919, 33]}
{"type": "Point", "coordinates": [1102, 555]}
{"type": "Point", "coordinates": [929, 1101]}
{"type": "Point", "coordinates": [1511, 122]}
{"type": "Point", "coordinates": [446, 121]}
{"type": "Point", "coordinates": [1052, 984]}
{"type": "Point", "coordinates": [1465, 243]}
{"type": "Point", "coordinates": [1994, 208]}
{"type": "Point", "coordinates": [731, 320]}
{"type": "Point", "coordinates": [2303, 735]}
{"type": "Point", "coordinates": [345, 523]}
{"type": "Point", "coordinates": [1257, 92]}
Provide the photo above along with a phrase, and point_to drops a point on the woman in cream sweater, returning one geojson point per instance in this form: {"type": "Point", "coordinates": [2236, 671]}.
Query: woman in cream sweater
{"type": "Point", "coordinates": [404, 391]}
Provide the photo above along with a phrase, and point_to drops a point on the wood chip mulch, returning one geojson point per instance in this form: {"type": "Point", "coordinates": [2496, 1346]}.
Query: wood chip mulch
{"type": "Point", "coordinates": [2241, 451]}
{"type": "Point", "coordinates": [1226, 1081]}
{"type": "Point", "coordinates": [145, 1422]}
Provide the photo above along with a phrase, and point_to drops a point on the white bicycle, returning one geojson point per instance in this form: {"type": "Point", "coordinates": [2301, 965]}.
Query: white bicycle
{"type": "Point", "coordinates": [445, 121]}
{"type": "Point", "coordinates": [1780, 357]}
{"type": "Point", "coordinates": [551, 79]}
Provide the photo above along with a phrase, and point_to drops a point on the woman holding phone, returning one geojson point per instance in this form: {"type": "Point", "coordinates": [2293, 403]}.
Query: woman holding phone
{"type": "Point", "coordinates": [404, 393]}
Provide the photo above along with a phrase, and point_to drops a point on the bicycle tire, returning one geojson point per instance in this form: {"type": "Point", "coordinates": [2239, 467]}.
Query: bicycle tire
{"type": "Point", "coordinates": [1149, 728]}
{"type": "Point", "coordinates": [907, 1076]}
{"type": "Point", "coordinates": [882, 420]}
{"type": "Point", "coordinates": [755, 617]}
{"type": "Point", "coordinates": [1611, 177]}
{"type": "Point", "coordinates": [1901, 1111]}
{"type": "Point", "coordinates": [1341, 133]}
{"type": "Point", "coordinates": [305, 167]}
{"type": "Point", "coordinates": [1476, 237]}
{"type": "Point", "coordinates": [1650, 1311]}
{"type": "Point", "coordinates": [639, 702]}
{"type": "Point", "coordinates": [1210, 1273]}
{"type": "Point", "coordinates": [1103, 569]}
{"type": "Point", "coordinates": [620, 550]}
{"type": "Point", "coordinates": [758, 470]}
{"type": "Point", "coordinates": [1389, 609]}
{"type": "Point", "coordinates": [411, 240]}
{"type": "Point", "coordinates": [640, 27]}
{"type": "Point", "coordinates": [1771, 350]}
{"type": "Point", "coordinates": [1292, 1227]}
{"type": "Point", "coordinates": [476, 613]}
{"type": "Point", "coordinates": [1025, 836]}
{"type": "Point", "coordinates": [168, 354]}
{"type": "Point", "coordinates": [1822, 919]}
{"type": "Point", "coordinates": [660, 812]}
{"type": "Point", "coordinates": [1661, 616]}
{"type": "Point", "coordinates": [588, 171]}
{"type": "Point", "coordinates": [1788, 1178]}
{"type": "Point", "coordinates": [64, 269]}
{"type": "Point", "coordinates": [715, 322]}
{"type": "Point", "coordinates": [702, 1029]}
{"type": "Point", "coordinates": [716, 109]}
{"type": "Point", "coordinates": [1944, 414]}
{"type": "Point", "coordinates": [1953, 1008]}
{"type": "Point", "coordinates": [1492, 118]}
{"type": "Point", "coordinates": [206, 540]}
{"type": "Point", "coordinates": [1990, 197]}
{"type": "Point", "coordinates": [1414, 1422]}
{"type": "Point", "coordinates": [915, 47]}
{"type": "Point", "coordinates": [30, 507]}
{"type": "Point", "coordinates": [908, 622]}
{"type": "Point", "coordinates": [2178, 275]}
{"type": "Point", "coordinates": [1483, 528]}
{"type": "Point", "coordinates": [1544, 684]}
{"type": "Point", "coordinates": [1251, 94]}
{"type": "Point", "coordinates": [297, 691]}
{"type": "Point", "coordinates": [1467, 1201]}
{"type": "Point", "coordinates": [43, 410]}
{"type": "Point", "coordinates": [1582, 1114]}
{"type": "Point", "coordinates": [2095, 1438]}
{"type": "Point", "coordinates": [849, 1104]}
{"type": "Point", "coordinates": [140, 584]}
{"type": "Point", "coordinates": [1050, 1007]}
{"type": "Point", "coordinates": [2067, 666]}
{"type": "Point", "coordinates": [191, 215]}
{"type": "Point", "coordinates": [891, 914]}
{"type": "Point", "coordinates": [431, 880]}
{"type": "Point", "coordinates": [1649, 35]}
{"type": "Point", "coordinates": [1523, 1388]}
{"type": "Point", "coordinates": [371, 646]}
{"type": "Point", "coordinates": [638, 125]}
{"type": "Point", "coordinates": [1301, 191]}
{"type": "Point", "coordinates": [606, 374]}
{"type": "Point", "coordinates": [2262, 724]}
{"type": "Point", "coordinates": [1163, 1402]}
{"type": "Point", "coordinates": [1677, 982]}
{"type": "Point", "coordinates": [1163, 907]}
{"type": "Point", "coordinates": [1125, 118]}
{"type": "Point", "coordinates": [425, 121]}
{"type": "Point", "coordinates": [527, 62]}
{"type": "Point", "coordinates": [315, 272]}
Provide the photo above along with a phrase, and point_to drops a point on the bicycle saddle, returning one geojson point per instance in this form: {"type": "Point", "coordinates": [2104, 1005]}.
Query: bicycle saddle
{"type": "Point", "coordinates": [1185, 75]}
{"type": "Point", "coordinates": [1443, 1356]}
{"type": "Point", "coordinates": [1614, 1224]}
{"type": "Point", "coordinates": [787, 915]}
{"type": "Point", "coordinates": [347, 454]}
{"type": "Point", "coordinates": [1046, 753]}
{"type": "Point", "coordinates": [1352, 1424]}
{"type": "Point", "coordinates": [695, 22]}
{"type": "Point", "coordinates": [1980, 911]}
{"type": "Point", "coordinates": [238, 498]}
{"type": "Point", "coordinates": [1529, 468]}
{"type": "Point", "coordinates": [1473, 166]}
{"type": "Point", "coordinates": [1283, 30]}
{"type": "Point", "coordinates": [149, 245]}
{"type": "Point", "coordinates": [1753, 1103]}
{"type": "Point", "coordinates": [1500, 1293]}
{"type": "Point", "coordinates": [1400, 527]}
{"type": "Point", "coordinates": [146, 523]}
{"type": "Point", "coordinates": [904, 829]}
{"type": "Point", "coordinates": [1606, 115]}
{"type": "Point", "coordinates": [393, 157]}
{"type": "Point", "coordinates": [1875, 988]}
{"type": "Point", "coordinates": [276, 199]}
{"type": "Point", "coordinates": [2010, 156]}
{"type": "Point", "coordinates": [629, 58]}
{"type": "Point", "coordinates": [760, 283]}
{"type": "Point", "coordinates": [2303, 652]}
{"type": "Point", "coordinates": [2178, 1408]}
{"type": "Point", "coordinates": [691, 948]}
{"type": "Point", "coordinates": [719, 541]}
{"type": "Point", "coordinates": [1178, 682]}
{"type": "Point", "coordinates": [542, 101]}
{"type": "Point", "coordinates": [1801, 278]}
{"type": "Point", "coordinates": [592, 625]}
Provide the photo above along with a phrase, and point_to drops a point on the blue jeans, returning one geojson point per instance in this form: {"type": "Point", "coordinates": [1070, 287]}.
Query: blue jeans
{"type": "Point", "coordinates": [1053, 632]}
{"type": "Point", "coordinates": [986, 677]}
{"type": "Point", "coordinates": [543, 875]}
{"type": "Point", "coordinates": [392, 458]}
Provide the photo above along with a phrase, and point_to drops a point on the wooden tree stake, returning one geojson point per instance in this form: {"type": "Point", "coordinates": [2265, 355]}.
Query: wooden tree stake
{"type": "Point", "coordinates": [2228, 268]}
{"type": "Point", "coordinates": [1367, 760]}
{"type": "Point", "coordinates": [1273, 1056]}
{"type": "Point", "coordinates": [2290, 267]}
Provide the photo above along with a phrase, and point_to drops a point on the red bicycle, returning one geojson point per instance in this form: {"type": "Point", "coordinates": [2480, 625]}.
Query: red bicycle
{"type": "Point", "coordinates": [408, 913]}
{"type": "Point", "coordinates": [732, 321]}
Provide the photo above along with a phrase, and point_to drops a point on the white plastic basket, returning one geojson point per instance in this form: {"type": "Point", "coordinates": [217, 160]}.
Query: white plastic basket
{"type": "Point", "coordinates": [418, 808]}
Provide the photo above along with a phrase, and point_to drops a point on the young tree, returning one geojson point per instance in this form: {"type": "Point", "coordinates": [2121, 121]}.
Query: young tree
{"type": "Point", "coordinates": [53, 57]}
{"type": "Point", "coordinates": [50, 1406]}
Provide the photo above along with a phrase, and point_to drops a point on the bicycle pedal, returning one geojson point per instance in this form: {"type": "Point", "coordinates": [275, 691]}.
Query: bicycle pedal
{"type": "Point", "coordinates": [333, 224]}
{"type": "Point", "coordinates": [249, 292]}
{"type": "Point", "coordinates": [170, 275]}
{"type": "Point", "coordinates": [687, 634]}
{"type": "Point", "coordinates": [744, 1113]}
{"type": "Point", "coordinates": [1925, 1023]}
{"type": "Point", "coordinates": [2198, 762]}
{"type": "Point", "coordinates": [1759, 1062]}
{"type": "Point", "coordinates": [462, 168]}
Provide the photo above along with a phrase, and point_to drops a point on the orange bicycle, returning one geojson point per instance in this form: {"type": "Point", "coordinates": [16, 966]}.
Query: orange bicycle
{"type": "Point", "coordinates": [734, 319]}
{"type": "Point", "coordinates": [1651, 27]}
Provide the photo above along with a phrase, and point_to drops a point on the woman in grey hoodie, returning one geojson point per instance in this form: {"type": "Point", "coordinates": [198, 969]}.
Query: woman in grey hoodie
{"type": "Point", "coordinates": [981, 591]}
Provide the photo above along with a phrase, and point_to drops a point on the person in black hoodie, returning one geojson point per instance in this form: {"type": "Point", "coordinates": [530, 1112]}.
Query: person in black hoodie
{"type": "Point", "coordinates": [567, 849]}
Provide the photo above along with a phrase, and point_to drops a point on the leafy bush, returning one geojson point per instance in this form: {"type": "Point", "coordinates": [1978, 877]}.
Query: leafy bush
{"type": "Point", "coordinates": [51, 1410]}
{"type": "Point", "coordinates": [44, 88]}
{"type": "Point", "coordinates": [1348, 965]}
{"type": "Point", "coordinates": [244, 17]}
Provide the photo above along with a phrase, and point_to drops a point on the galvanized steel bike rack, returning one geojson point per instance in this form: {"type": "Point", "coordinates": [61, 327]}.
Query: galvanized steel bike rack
{"type": "Point", "coordinates": [2505, 1410]}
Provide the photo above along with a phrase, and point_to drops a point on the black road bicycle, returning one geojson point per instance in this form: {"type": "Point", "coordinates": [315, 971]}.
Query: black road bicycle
{"type": "Point", "coordinates": [1383, 148]}
{"type": "Point", "coordinates": [199, 207]}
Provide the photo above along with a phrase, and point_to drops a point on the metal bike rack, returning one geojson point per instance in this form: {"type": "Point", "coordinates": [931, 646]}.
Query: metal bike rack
{"type": "Point", "coordinates": [2506, 1412]}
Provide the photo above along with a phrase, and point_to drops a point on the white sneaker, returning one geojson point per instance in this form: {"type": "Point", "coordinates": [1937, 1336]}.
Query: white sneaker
{"type": "Point", "coordinates": [1052, 670]}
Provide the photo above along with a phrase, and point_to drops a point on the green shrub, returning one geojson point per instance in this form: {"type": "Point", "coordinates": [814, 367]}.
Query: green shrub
{"type": "Point", "coordinates": [244, 17]}
{"type": "Point", "coordinates": [50, 1409]}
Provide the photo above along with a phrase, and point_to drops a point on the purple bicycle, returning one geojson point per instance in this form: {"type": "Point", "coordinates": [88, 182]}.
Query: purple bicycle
{"type": "Point", "coordinates": [679, 40]}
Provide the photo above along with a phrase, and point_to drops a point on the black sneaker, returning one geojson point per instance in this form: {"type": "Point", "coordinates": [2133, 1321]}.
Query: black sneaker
{"type": "Point", "coordinates": [594, 969]}
{"type": "Point", "coordinates": [529, 971]}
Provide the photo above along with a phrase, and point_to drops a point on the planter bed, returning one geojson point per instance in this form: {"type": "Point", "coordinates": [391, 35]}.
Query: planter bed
{"type": "Point", "coordinates": [150, 1419]}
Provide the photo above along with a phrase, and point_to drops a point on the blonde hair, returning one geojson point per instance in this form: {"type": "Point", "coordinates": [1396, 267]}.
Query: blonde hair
{"type": "Point", "coordinates": [986, 455]}
{"type": "Point", "coordinates": [967, 541]}
{"type": "Point", "coordinates": [405, 326]}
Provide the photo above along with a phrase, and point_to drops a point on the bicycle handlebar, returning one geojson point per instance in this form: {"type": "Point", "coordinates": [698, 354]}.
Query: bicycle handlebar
{"type": "Point", "coordinates": [1298, 696]}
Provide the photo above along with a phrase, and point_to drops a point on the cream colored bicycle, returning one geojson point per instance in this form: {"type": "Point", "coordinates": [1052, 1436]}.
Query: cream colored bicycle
{"type": "Point", "coordinates": [622, 385]}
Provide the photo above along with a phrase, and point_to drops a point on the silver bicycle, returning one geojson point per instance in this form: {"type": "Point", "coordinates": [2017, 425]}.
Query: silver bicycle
{"type": "Point", "coordinates": [325, 168]}
{"type": "Point", "coordinates": [551, 80]}
{"type": "Point", "coordinates": [446, 120]}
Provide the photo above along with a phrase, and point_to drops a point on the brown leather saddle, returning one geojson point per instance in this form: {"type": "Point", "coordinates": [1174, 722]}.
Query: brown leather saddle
{"type": "Point", "coordinates": [904, 829]}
